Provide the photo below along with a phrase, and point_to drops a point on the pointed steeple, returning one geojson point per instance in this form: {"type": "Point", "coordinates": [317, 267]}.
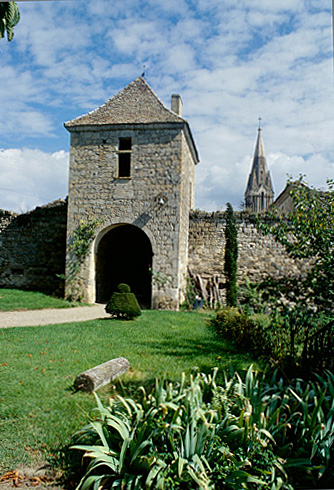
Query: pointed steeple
{"type": "Point", "coordinates": [259, 191]}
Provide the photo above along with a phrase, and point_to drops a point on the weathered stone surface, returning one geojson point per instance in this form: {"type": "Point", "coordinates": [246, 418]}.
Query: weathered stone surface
{"type": "Point", "coordinates": [99, 376]}
{"type": "Point", "coordinates": [157, 174]}
{"type": "Point", "coordinates": [32, 248]}
{"type": "Point", "coordinates": [259, 255]}
{"type": "Point", "coordinates": [155, 197]}
{"type": "Point", "coordinates": [136, 103]}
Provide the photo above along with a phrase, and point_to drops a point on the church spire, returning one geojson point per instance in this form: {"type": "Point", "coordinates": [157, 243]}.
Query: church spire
{"type": "Point", "coordinates": [259, 191]}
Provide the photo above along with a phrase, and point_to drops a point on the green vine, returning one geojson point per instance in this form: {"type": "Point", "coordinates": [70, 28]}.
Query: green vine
{"type": "Point", "coordinates": [158, 278]}
{"type": "Point", "coordinates": [80, 242]}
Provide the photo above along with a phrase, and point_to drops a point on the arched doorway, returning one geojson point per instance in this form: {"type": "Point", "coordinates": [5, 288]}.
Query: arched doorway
{"type": "Point", "coordinates": [124, 255]}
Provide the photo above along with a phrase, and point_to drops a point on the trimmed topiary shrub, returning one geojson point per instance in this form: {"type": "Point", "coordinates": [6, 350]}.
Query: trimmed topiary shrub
{"type": "Point", "coordinates": [123, 304]}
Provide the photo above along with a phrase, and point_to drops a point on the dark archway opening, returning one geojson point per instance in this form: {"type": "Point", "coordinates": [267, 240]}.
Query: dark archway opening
{"type": "Point", "coordinates": [124, 255]}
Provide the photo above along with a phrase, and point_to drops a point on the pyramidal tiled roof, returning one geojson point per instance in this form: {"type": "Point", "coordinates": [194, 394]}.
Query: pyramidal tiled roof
{"type": "Point", "coordinates": [135, 104]}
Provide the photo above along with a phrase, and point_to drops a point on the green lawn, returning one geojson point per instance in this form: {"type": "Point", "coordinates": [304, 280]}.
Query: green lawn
{"type": "Point", "coordinates": [16, 299]}
{"type": "Point", "coordinates": [38, 409]}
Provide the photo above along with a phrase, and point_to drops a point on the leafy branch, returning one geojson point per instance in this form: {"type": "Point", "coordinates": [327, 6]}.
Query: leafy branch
{"type": "Point", "coordinates": [9, 17]}
{"type": "Point", "coordinates": [158, 278]}
{"type": "Point", "coordinates": [308, 232]}
{"type": "Point", "coordinates": [79, 246]}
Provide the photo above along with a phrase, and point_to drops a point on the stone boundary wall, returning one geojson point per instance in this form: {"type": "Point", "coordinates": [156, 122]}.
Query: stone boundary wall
{"type": "Point", "coordinates": [259, 255]}
{"type": "Point", "coordinates": [5, 218]}
{"type": "Point", "coordinates": [32, 248]}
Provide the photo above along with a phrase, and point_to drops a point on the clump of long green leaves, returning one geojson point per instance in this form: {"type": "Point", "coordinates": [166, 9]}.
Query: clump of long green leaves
{"type": "Point", "coordinates": [298, 416]}
{"type": "Point", "coordinates": [241, 434]}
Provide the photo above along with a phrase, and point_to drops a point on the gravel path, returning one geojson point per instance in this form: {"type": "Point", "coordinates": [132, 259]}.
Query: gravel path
{"type": "Point", "coordinates": [29, 318]}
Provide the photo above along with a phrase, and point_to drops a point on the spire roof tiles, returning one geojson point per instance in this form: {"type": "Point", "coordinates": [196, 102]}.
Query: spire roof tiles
{"type": "Point", "coordinates": [259, 191]}
{"type": "Point", "coordinates": [259, 174]}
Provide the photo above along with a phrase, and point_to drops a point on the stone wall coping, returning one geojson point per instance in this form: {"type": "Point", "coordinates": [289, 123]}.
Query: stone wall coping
{"type": "Point", "coordinates": [241, 216]}
{"type": "Point", "coordinates": [4, 213]}
{"type": "Point", "coordinates": [124, 126]}
{"type": "Point", "coordinates": [52, 204]}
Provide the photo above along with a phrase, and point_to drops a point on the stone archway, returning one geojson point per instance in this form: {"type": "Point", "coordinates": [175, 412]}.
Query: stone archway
{"type": "Point", "coordinates": [124, 255]}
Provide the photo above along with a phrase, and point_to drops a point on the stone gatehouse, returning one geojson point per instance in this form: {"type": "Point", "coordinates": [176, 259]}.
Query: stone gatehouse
{"type": "Point", "coordinates": [132, 168]}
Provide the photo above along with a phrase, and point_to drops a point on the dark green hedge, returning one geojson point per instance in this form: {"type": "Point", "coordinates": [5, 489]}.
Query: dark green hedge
{"type": "Point", "coordinates": [123, 304]}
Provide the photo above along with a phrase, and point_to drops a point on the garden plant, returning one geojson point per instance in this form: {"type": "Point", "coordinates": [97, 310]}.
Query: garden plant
{"type": "Point", "coordinates": [197, 434]}
{"type": "Point", "coordinates": [38, 407]}
{"type": "Point", "coordinates": [123, 304]}
{"type": "Point", "coordinates": [9, 17]}
{"type": "Point", "coordinates": [79, 246]}
{"type": "Point", "coordinates": [290, 321]}
{"type": "Point", "coordinates": [231, 257]}
{"type": "Point", "coordinates": [308, 233]}
{"type": "Point", "coordinates": [295, 340]}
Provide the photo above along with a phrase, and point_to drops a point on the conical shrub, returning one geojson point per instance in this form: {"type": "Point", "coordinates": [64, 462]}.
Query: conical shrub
{"type": "Point", "coordinates": [123, 304]}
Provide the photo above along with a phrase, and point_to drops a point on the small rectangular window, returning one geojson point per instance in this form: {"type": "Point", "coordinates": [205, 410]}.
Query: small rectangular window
{"type": "Point", "coordinates": [124, 158]}
{"type": "Point", "coordinates": [124, 165]}
{"type": "Point", "coordinates": [124, 144]}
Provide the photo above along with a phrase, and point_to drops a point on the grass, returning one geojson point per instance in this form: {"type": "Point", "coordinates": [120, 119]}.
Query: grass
{"type": "Point", "coordinates": [38, 408]}
{"type": "Point", "coordinates": [16, 299]}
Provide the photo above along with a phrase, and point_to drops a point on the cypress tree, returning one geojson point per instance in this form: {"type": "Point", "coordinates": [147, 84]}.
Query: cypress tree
{"type": "Point", "coordinates": [231, 257]}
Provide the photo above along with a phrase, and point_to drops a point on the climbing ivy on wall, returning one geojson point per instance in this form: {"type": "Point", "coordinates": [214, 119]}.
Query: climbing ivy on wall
{"type": "Point", "coordinates": [79, 246]}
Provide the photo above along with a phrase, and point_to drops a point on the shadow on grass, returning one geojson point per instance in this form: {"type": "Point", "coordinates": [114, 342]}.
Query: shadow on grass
{"type": "Point", "coordinates": [224, 355]}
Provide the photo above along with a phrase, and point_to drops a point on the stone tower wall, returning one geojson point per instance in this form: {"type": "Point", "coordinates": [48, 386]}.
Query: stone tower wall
{"type": "Point", "coordinates": [186, 205]}
{"type": "Point", "coordinates": [153, 199]}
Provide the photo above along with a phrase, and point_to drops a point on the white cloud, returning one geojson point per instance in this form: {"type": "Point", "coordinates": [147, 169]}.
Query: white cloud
{"type": "Point", "coordinates": [139, 36]}
{"type": "Point", "coordinates": [316, 168]}
{"type": "Point", "coordinates": [230, 61]}
{"type": "Point", "coordinates": [30, 178]}
{"type": "Point", "coordinates": [219, 184]}
{"type": "Point", "coordinates": [31, 123]}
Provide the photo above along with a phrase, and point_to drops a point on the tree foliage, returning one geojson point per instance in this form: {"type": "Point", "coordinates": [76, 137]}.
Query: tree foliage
{"type": "Point", "coordinates": [308, 232]}
{"type": "Point", "coordinates": [231, 257]}
{"type": "Point", "coordinates": [9, 17]}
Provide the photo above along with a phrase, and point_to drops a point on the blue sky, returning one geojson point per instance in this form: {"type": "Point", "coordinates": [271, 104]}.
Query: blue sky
{"type": "Point", "coordinates": [230, 61]}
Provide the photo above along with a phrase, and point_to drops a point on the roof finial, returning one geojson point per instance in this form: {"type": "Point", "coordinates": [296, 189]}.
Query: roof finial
{"type": "Point", "coordinates": [143, 74]}
{"type": "Point", "coordinates": [259, 128]}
